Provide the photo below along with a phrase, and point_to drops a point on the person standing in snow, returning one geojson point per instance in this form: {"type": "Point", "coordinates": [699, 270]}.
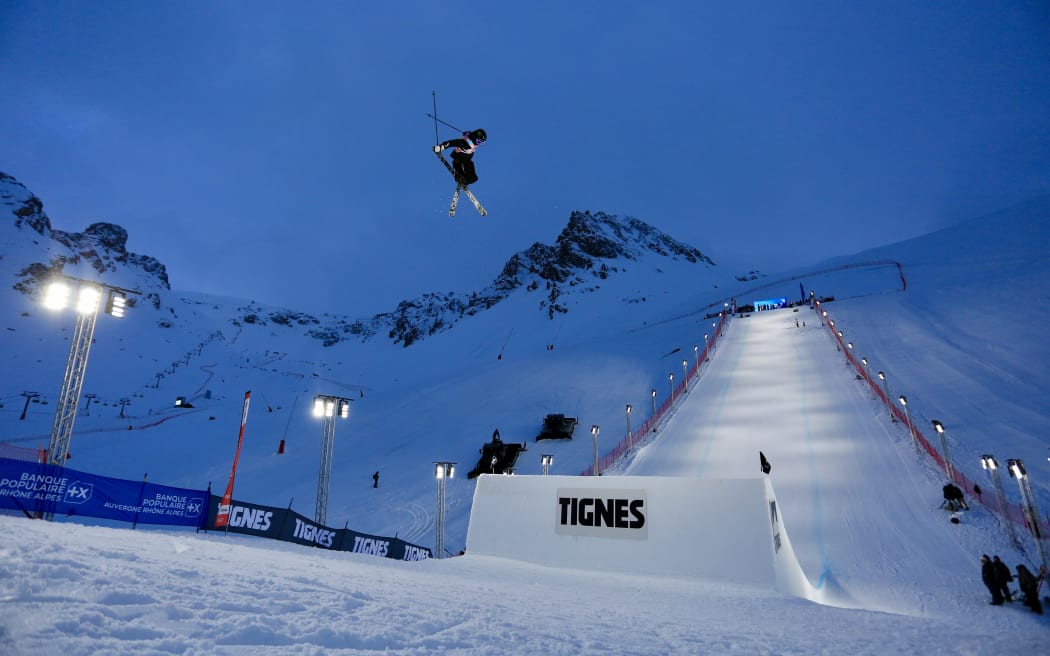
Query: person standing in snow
{"type": "Point", "coordinates": [1029, 585]}
{"type": "Point", "coordinates": [375, 479]}
{"type": "Point", "coordinates": [463, 155]}
{"type": "Point", "coordinates": [1002, 572]}
{"type": "Point", "coordinates": [991, 580]}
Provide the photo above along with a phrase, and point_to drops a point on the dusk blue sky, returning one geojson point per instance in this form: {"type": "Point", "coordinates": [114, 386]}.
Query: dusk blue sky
{"type": "Point", "coordinates": [280, 151]}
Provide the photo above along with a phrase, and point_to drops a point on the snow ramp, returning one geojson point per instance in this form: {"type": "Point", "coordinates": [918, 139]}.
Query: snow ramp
{"type": "Point", "coordinates": [717, 529]}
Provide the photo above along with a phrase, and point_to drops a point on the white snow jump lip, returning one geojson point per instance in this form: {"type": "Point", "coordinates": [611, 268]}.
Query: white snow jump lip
{"type": "Point", "coordinates": [719, 529]}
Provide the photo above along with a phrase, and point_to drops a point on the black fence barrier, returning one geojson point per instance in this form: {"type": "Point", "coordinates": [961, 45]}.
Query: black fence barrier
{"type": "Point", "coordinates": [288, 525]}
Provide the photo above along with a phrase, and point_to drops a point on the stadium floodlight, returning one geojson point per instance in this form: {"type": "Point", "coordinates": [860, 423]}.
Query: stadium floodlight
{"type": "Point", "coordinates": [696, 358]}
{"type": "Point", "coordinates": [116, 304]}
{"type": "Point", "coordinates": [652, 394]}
{"type": "Point", "coordinates": [991, 465]}
{"type": "Point", "coordinates": [87, 299]}
{"type": "Point", "coordinates": [546, 460]}
{"type": "Point", "coordinates": [57, 296]}
{"type": "Point", "coordinates": [442, 472]}
{"type": "Point", "coordinates": [594, 437]}
{"type": "Point", "coordinates": [628, 413]}
{"type": "Point", "coordinates": [685, 372]}
{"type": "Point", "coordinates": [886, 390]}
{"type": "Point", "coordinates": [670, 383]}
{"type": "Point", "coordinates": [325, 407]}
{"type": "Point", "coordinates": [949, 469]}
{"type": "Point", "coordinates": [911, 427]}
{"type": "Point", "coordinates": [1016, 468]}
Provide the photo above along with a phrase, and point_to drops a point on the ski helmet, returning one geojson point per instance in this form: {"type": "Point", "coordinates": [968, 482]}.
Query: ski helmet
{"type": "Point", "coordinates": [480, 136]}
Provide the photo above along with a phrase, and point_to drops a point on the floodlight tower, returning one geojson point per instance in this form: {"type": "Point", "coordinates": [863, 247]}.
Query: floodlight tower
{"type": "Point", "coordinates": [594, 438]}
{"type": "Point", "coordinates": [629, 439]}
{"type": "Point", "coordinates": [911, 427]}
{"type": "Point", "coordinates": [949, 470]}
{"type": "Point", "coordinates": [442, 472]}
{"type": "Point", "coordinates": [327, 407]}
{"type": "Point", "coordinates": [989, 463]}
{"type": "Point", "coordinates": [546, 460]}
{"type": "Point", "coordinates": [652, 394]}
{"type": "Point", "coordinates": [1017, 470]}
{"type": "Point", "coordinates": [886, 388]}
{"type": "Point", "coordinates": [88, 304]}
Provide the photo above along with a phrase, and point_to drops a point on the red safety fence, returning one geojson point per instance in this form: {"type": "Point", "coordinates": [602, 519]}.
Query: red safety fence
{"type": "Point", "coordinates": [637, 435]}
{"type": "Point", "coordinates": [12, 452]}
{"type": "Point", "coordinates": [1013, 512]}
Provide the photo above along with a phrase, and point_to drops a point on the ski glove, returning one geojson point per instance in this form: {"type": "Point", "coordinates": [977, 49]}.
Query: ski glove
{"type": "Point", "coordinates": [437, 149]}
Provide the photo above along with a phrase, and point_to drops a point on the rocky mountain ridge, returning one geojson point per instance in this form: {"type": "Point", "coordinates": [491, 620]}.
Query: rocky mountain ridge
{"type": "Point", "coordinates": [591, 248]}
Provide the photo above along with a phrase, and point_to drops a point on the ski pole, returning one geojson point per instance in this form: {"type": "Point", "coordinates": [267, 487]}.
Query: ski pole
{"type": "Point", "coordinates": [436, 139]}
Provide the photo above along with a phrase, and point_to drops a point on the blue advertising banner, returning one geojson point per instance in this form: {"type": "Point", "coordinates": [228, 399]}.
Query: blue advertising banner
{"type": "Point", "coordinates": [288, 525]}
{"type": "Point", "coordinates": [34, 488]}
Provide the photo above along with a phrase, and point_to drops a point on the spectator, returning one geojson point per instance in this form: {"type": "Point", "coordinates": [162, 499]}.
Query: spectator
{"type": "Point", "coordinates": [991, 580]}
{"type": "Point", "coordinates": [375, 479]}
{"type": "Point", "coordinates": [953, 497]}
{"type": "Point", "coordinates": [1029, 585]}
{"type": "Point", "coordinates": [1002, 572]}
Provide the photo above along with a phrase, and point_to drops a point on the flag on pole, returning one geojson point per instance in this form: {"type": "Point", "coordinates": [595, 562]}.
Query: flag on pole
{"type": "Point", "coordinates": [222, 517]}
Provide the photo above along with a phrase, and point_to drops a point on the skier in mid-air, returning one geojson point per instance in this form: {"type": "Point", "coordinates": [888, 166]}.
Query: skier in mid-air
{"type": "Point", "coordinates": [463, 155]}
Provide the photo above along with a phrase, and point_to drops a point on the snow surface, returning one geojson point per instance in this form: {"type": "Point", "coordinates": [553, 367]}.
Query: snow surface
{"type": "Point", "coordinates": [964, 342]}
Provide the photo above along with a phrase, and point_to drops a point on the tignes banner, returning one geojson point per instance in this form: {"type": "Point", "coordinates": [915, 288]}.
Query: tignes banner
{"type": "Point", "coordinates": [288, 525]}
{"type": "Point", "coordinates": [38, 489]}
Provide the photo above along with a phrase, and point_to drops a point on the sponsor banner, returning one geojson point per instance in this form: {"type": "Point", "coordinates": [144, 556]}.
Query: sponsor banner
{"type": "Point", "coordinates": [288, 525]}
{"type": "Point", "coordinates": [37, 488]}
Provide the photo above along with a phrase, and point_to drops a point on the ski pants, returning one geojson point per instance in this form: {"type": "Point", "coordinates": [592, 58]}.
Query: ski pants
{"type": "Point", "coordinates": [464, 168]}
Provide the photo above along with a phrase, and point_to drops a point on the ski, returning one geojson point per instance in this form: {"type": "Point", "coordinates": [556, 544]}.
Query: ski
{"type": "Point", "coordinates": [455, 202]}
{"type": "Point", "coordinates": [477, 204]}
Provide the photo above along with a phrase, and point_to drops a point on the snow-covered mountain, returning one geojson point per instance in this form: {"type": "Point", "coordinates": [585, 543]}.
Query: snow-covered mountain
{"type": "Point", "coordinates": [590, 249]}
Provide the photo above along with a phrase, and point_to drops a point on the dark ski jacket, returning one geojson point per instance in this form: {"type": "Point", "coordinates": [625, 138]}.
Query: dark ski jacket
{"type": "Point", "coordinates": [988, 574]}
{"type": "Point", "coordinates": [465, 147]}
{"type": "Point", "coordinates": [1002, 571]}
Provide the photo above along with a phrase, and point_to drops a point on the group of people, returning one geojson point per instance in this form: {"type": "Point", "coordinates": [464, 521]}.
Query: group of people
{"type": "Point", "coordinates": [997, 577]}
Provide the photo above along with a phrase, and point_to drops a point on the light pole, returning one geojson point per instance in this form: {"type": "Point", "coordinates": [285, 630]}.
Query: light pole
{"type": "Point", "coordinates": [685, 373]}
{"type": "Point", "coordinates": [949, 470]}
{"type": "Point", "coordinates": [867, 375]}
{"type": "Point", "coordinates": [849, 351]}
{"type": "Point", "coordinates": [911, 428]}
{"type": "Point", "coordinates": [707, 354]}
{"type": "Point", "coordinates": [652, 393]}
{"type": "Point", "coordinates": [696, 358]}
{"type": "Point", "coordinates": [594, 438]}
{"type": "Point", "coordinates": [546, 460]}
{"type": "Point", "coordinates": [670, 384]}
{"type": "Point", "coordinates": [886, 388]}
{"type": "Point", "coordinates": [1016, 469]}
{"type": "Point", "coordinates": [89, 302]}
{"type": "Point", "coordinates": [989, 463]}
{"type": "Point", "coordinates": [442, 472]}
{"type": "Point", "coordinates": [327, 407]}
{"type": "Point", "coordinates": [630, 445]}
